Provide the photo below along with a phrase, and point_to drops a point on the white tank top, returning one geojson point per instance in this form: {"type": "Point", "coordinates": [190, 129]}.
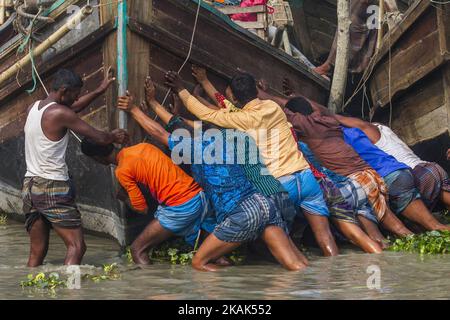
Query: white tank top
{"type": "Point", "coordinates": [394, 146]}
{"type": "Point", "coordinates": [45, 158]}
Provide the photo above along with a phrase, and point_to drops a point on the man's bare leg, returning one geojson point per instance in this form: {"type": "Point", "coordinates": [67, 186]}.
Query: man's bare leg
{"type": "Point", "coordinates": [151, 236]}
{"type": "Point", "coordinates": [373, 231]}
{"type": "Point", "coordinates": [321, 229]}
{"type": "Point", "coordinates": [393, 224]}
{"type": "Point", "coordinates": [298, 253]}
{"type": "Point", "coordinates": [74, 241]}
{"type": "Point", "coordinates": [39, 240]}
{"type": "Point", "coordinates": [357, 236]}
{"type": "Point", "coordinates": [280, 246]}
{"type": "Point", "coordinates": [417, 212]}
{"type": "Point", "coordinates": [211, 250]}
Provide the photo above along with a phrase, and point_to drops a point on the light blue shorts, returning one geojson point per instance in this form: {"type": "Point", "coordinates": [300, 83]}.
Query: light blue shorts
{"type": "Point", "coordinates": [187, 219]}
{"type": "Point", "coordinates": [304, 191]}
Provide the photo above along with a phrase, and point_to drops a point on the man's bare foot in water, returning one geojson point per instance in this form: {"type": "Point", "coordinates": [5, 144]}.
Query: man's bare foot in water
{"type": "Point", "coordinates": [140, 257]}
{"type": "Point", "coordinates": [223, 262]}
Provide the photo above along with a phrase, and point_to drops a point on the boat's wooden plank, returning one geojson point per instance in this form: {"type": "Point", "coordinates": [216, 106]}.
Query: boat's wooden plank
{"type": "Point", "coordinates": [423, 128]}
{"type": "Point", "coordinates": [236, 9]}
{"type": "Point", "coordinates": [300, 26]}
{"type": "Point", "coordinates": [420, 99]}
{"type": "Point", "coordinates": [225, 63]}
{"type": "Point", "coordinates": [251, 24]}
{"type": "Point", "coordinates": [443, 21]}
{"type": "Point", "coordinates": [218, 26]}
{"type": "Point", "coordinates": [13, 87]}
{"type": "Point", "coordinates": [415, 103]}
{"type": "Point", "coordinates": [108, 12]}
{"type": "Point", "coordinates": [138, 60]}
{"type": "Point", "coordinates": [407, 67]}
{"type": "Point", "coordinates": [414, 12]}
{"type": "Point", "coordinates": [446, 86]}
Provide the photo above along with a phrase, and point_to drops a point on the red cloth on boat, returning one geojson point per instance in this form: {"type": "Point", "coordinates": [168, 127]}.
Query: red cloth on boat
{"type": "Point", "coordinates": [248, 16]}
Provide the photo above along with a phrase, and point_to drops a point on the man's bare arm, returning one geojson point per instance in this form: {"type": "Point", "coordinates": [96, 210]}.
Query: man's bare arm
{"type": "Point", "coordinates": [150, 99]}
{"type": "Point", "coordinates": [369, 129]}
{"type": "Point", "coordinates": [69, 119]}
{"type": "Point", "coordinates": [84, 101]}
{"type": "Point", "coordinates": [263, 94]}
{"type": "Point", "coordinates": [202, 78]}
{"type": "Point", "coordinates": [150, 126]}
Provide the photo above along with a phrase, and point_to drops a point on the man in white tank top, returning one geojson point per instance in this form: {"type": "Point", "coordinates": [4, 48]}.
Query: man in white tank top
{"type": "Point", "coordinates": [430, 179]}
{"type": "Point", "coordinates": [48, 193]}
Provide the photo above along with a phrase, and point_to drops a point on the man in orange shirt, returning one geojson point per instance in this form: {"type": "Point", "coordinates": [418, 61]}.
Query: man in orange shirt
{"type": "Point", "coordinates": [183, 209]}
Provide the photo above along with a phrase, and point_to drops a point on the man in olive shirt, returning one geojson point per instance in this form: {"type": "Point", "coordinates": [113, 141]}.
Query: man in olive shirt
{"type": "Point", "coordinates": [266, 123]}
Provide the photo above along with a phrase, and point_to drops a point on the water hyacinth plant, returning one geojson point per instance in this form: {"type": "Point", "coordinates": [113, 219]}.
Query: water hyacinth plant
{"type": "Point", "coordinates": [3, 219]}
{"type": "Point", "coordinates": [432, 242]}
{"type": "Point", "coordinates": [175, 252]}
{"type": "Point", "coordinates": [110, 272]}
{"type": "Point", "coordinates": [44, 281]}
{"type": "Point", "coordinates": [178, 252]}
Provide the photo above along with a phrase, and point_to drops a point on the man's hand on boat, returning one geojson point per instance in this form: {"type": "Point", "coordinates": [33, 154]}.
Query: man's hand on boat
{"type": "Point", "coordinates": [199, 74]}
{"type": "Point", "coordinates": [107, 80]}
{"type": "Point", "coordinates": [120, 136]}
{"type": "Point", "coordinates": [126, 103]}
{"type": "Point", "coordinates": [174, 81]}
{"type": "Point", "coordinates": [150, 91]}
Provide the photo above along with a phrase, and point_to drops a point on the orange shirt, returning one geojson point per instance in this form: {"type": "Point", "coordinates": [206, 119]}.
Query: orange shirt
{"type": "Point", "coordinates": [146, 164]}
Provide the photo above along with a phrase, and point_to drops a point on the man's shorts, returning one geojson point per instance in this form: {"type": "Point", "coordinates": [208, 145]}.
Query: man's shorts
{"type": "Point", "coordinates": [249, 219]}
{"type": "Point", "coordinates": [375, 189]}
{"type": "Point", "coordinates": [402, 190]}
{"type": "Point", "coordinates": [186, 220]}
{"type": "Point", "coordinates": [346, 200]}
{"type": "Point", "coordinates": [431, 179]}
{"type": "Point", "coordinates": [354, 193]}
{"type": "Point", "coordinates": [51, 200]}
{"type": "Point", "coordinates": [286, 208]}
{"type": "Point", "coordinates": [305, 192]}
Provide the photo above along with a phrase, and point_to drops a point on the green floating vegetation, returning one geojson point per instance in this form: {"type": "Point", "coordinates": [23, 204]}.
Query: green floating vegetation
{"type": "Point", "coordinates": [44, 281]}
{"type": "Point", "coordinates": [432, 242]}
{"type": "Point", "coordinates": [110, 272]}
{"type": "Point", "coordinates": [178, 252]}
{"type": "Point", "coordinates": [52, 281]}
{"type": "Point", "coordinates": [3, 219]}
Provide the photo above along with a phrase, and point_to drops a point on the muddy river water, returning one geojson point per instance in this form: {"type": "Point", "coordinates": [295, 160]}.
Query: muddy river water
{"type": "Point", "coordinates": [352, 275]}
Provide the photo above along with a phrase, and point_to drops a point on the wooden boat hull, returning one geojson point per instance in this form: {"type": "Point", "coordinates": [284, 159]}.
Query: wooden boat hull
{"type": "Point", "coordinates": [416, 80]}
{"type": "Point", "coordinates": [158, 39]}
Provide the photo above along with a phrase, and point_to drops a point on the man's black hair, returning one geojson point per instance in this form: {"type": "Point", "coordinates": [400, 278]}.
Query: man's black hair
{"type": "Point", "coordinates": [65, 78]}
{"type": "Point", "coordinates": [300, 105]}
{"type": "Point", "coordinates": [244, 87]}
{"type": "Point", "coordinates": [91, 149]}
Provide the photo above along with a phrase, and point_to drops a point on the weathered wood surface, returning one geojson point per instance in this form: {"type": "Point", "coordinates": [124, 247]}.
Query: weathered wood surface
{"type": "Point", "coordinates": [158, 41]}
{"type": "Point", "coordinates": [419, 75]}
{"type": "Point", "coordinates": [222, 48]}
{"type": "Point", "coordinates": [415, 51]}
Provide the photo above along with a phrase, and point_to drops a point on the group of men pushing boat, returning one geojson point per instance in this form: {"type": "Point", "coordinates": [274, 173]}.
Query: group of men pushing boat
{"type": "Point", "coordinates": [243, 165]}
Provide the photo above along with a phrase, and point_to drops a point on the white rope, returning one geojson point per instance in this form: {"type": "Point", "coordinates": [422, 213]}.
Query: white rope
{"type": "Point", "coordinates": [194, 30]}
{"type": "Point", "coordinates": [439, 2]}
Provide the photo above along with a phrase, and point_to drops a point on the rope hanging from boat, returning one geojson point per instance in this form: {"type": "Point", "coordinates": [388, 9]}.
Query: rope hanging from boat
{"type": "Point", "coordinates": [188, 57]}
